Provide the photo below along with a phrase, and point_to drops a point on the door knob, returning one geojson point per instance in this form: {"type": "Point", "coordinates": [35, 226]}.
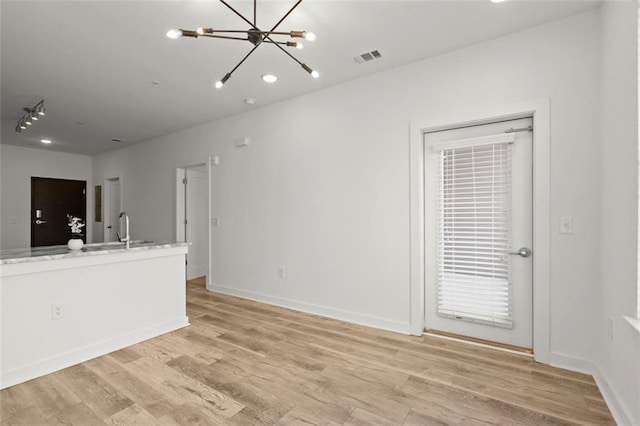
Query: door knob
{"type": "Point", "coordinates": [40, 222]}
{"type": "Point", "coordinates": [523, 251]}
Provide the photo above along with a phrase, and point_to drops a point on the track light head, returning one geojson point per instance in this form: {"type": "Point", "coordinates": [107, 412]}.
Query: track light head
{"type": "Point", "coordinates": [30, 115]}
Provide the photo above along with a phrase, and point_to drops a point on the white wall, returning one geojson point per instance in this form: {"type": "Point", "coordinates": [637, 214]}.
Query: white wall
{"type": "Point", "coordinates": [323, 190]}
{"type": "Point", "coordinates": [619, 357]}
{"type": "Point", "coordinates": [17, 166]}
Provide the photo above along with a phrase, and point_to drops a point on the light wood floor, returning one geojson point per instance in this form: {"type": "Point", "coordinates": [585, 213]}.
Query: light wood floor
{"type": "Point", "coordinates": [246, 363]}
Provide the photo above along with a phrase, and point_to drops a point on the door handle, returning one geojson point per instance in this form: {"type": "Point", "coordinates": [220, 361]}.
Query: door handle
{"type": "Point", "coordinates": [40, 222]}
{"type": "Point", "coordinates": [523, 251]}
{"type": "Point", "coordinates": [109, 227]}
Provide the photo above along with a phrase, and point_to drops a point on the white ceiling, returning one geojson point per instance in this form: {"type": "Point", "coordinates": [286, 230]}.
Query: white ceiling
{"type": "Point", "coordinates": [94, 62]}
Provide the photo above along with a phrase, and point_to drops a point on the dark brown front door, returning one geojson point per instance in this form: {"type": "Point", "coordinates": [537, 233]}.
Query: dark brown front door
{"type": "Point", "coordinates": [51, 201]}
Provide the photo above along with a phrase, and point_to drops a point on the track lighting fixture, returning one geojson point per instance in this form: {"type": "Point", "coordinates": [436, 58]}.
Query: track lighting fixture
{"type": "Point", "coordinates": [31, 115]}
{"type": "Point", "coordinates": [253, 35]}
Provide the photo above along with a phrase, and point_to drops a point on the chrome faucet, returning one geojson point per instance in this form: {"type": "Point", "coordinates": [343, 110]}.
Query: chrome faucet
{"type": "Point", "coordinates": [127, 237]}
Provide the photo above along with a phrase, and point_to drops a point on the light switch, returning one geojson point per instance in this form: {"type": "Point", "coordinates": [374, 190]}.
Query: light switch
{"type": "Point", "coordinates": [215, 160]}
{"type": "Point", "coordinates": [566, 225]}
{"type": "Point", "coordinates": [215, 221]}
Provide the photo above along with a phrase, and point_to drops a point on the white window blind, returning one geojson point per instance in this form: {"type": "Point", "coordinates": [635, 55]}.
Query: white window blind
{"type": "Point", "coordinates": [474, 267]}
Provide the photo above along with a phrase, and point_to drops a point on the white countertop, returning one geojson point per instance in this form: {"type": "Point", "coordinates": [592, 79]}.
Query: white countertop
{"type": "Point", "coordinates": [37, 254]}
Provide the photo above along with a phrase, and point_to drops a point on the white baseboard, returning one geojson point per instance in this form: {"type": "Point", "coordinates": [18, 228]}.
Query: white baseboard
{"type": "Point", "coordinates": [620, 413]}
{"type": "Point", "coordinates": [353, 317]}
{"type": "Point", "coordinates": [46, 366]}
{"type": "Point", "coordinates": [196, 272]}
{"type": "Point", "coordinates": [578, 365]}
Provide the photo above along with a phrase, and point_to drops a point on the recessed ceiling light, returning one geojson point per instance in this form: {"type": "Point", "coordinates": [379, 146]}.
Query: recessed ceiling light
{"type": "Point", "coordinates": [269, 78]}
{"type": "Point", "coordinates": [47, 141]}
{"type": "Point", "coordinates": [250, 101]}
{"type": "Point", "coordinates": [498, 1]}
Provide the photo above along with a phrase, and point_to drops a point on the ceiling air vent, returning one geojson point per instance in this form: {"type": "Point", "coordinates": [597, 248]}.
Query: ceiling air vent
{"type": "Point", "coordinates": [367, 57]}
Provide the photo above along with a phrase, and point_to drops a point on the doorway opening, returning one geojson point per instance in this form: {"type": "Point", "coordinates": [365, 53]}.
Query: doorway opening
{"type": "Point", "coordinates": [112, 207]}
{"type": "Point", "coordinates": [192, 217]}
{"type": "Point", "coordinates": [51, 201]}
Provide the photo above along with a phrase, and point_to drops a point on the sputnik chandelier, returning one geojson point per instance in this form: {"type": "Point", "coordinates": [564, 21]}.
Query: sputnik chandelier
{"type": "Point", "coordinates": [254, 35]}
{"type": "Point", "coordinates": [31, 115]}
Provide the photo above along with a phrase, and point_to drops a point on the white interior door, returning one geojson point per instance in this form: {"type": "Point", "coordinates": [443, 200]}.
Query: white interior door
{"type": "Point", "coordinates": [196, 225]}
{"type": "Point", "coordinates": [112, 209]}
{"type": "Point", "coordinates": [478, 211]}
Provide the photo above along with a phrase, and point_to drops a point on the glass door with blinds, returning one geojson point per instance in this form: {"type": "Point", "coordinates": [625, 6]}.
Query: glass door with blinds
{"type": "Point", "coordinates": [478, 232]}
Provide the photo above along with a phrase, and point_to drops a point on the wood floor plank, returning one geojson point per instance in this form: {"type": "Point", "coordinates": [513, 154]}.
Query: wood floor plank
{"type": "Point", "coordinates": [97, 394]}
{"type": "Point", "coordinates": [245, 363]}
{"type": "Point", "coordinates": [141, 392]}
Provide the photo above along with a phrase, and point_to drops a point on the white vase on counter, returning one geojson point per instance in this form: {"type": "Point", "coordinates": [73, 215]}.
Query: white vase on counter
{"type": "Point", "coordinates": [75, 244]}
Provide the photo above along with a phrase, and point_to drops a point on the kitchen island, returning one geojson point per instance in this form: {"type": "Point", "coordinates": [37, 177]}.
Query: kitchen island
{"type": "Point", "coordinates": [60, 307]}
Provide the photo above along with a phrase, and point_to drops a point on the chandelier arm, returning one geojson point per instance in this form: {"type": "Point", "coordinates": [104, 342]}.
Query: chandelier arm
{"type": "Point", "coordinates": [239, 14]}
{"type": "Point", "coordinates": [225, 37]}
{"type": "Point", "coordinates": [243, 59]}
{"type": "Point", "coordinates": [266, 36]}
{"type": "Point", "coordinates": [214, 31]}
{"type": "Point", "coordinates": [253, 25]}
{"type": "Point", "coordinates": [288, 54]}
{"type": "Point", "coordinates": [285, 15]}
{"type": "Point", "coordinates": [255, 7]}
{"type": "Point", "coordinates": [282, 43]}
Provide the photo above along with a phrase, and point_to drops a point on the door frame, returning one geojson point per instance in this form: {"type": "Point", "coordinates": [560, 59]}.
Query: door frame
{"type": "Point", "coordinates": [540, 111]}
{"type": "Point", "coordinates": [180, 205]}
{"type": "Point", "coordinates": [106, 206]}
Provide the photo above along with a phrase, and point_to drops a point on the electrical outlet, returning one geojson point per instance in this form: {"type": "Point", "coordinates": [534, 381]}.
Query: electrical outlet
{"type": "Point", "coordinates": [57, 311]}
{"type": "Point", "coordinates": [610, 328]}
{"type": "Point", "coordinates": [281, 272]}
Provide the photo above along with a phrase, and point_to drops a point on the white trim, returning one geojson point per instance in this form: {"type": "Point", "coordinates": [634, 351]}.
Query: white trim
{"type": "Point", "coordinates": [106, 203]}
{"type": "Point", "coordinates": [540, 110]}
{"type": "Point", "coordinates": [621, 413]}
{"type": "Point", "coordinates": [481, 345]}
{"type": "Point", "coordinates": [566, 362]}
{"type": "Point", "coordinates": [40, 368]}
{"type": "Point", "coordinates": [352, 317]}
{"type": "Point", "coordinates": [177, 215]}
{"type": "Point", "coordinates": [479, 141]}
